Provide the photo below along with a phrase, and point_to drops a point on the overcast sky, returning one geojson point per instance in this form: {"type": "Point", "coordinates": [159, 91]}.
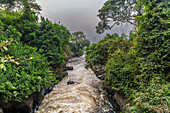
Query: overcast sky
{"type": "Point", "coordinates": [78, 15]}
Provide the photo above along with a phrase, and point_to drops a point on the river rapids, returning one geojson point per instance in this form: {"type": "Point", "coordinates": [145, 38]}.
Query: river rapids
{"type": "Point", "coordinates": [84, 94]}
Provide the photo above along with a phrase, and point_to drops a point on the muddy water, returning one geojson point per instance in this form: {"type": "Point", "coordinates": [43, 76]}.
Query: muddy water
{"type": "Point", "coordinates": [85, 94]}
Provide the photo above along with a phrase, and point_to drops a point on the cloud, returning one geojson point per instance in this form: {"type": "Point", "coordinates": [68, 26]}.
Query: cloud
{"type": "Point", "coordinates": [76, 15]}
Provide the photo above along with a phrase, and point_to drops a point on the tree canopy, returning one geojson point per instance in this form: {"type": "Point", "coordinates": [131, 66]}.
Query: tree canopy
{"type": "Point", "coordinates": [25, 4]}
{"type": "Point", "coordinates": [116, 11]}
{"type": "Point", "coordinates": [77, 43]}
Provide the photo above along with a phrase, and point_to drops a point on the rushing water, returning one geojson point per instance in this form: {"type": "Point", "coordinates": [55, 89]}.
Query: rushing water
{"type": "Point", "coordinates": [86, 95]}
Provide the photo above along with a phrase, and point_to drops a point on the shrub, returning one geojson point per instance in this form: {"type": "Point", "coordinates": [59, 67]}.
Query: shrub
{"type": "Point", "coordinates": [151, 99]}
{"type": "Point", "coordinates": [122, 71]}
{"type": "Point", "coordinates": [153, 38]}
{"type": "Point", "coordinates": [98, 54]}
{"type": "Point", "coordinates": [26, 71]}
{"type": "Point", "coordinates": [49, 37]}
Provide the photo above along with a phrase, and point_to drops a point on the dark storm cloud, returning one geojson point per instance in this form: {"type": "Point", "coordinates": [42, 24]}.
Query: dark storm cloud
{"type": "Point", "coordinates": [77, 15]}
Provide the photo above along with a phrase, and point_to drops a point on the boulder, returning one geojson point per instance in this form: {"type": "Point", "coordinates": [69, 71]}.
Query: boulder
{"type": "Point", "coordinates": [110, 95]}
{"type": "Point", "coordinates": [38, 97]}
{"type": "Point", "coordinates": [67, 68]}
{"type": "Point", "coordinates": [121, 101]}
{"type": "Point", "coordinates": [72, 82]}
{"type": "Point", "coordinates": [25, 106]}
{"type": "Point", "coordinates": [98, 70]}
{"type": "Point", "coordinates": [101, 77]}
{"type": "Point", "coordinates": [29, 102]}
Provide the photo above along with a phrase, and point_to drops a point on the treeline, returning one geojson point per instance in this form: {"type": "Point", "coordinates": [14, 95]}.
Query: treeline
{"type": "Point", "coordinates": [137, 65]}
{"type": "Point", "coordinates": [33, 52]}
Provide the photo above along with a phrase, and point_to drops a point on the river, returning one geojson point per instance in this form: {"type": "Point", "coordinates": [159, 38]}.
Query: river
{"type": "Point", "coordinates": [79, 92]}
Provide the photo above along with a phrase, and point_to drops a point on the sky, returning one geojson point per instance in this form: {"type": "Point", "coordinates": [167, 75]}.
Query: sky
{"type": "Point", "coordinates": [78, 15]}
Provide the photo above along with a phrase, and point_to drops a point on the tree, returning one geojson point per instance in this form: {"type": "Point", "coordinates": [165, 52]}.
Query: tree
{"type": "Point", "coordinates": [11, 4]}
{"type": "Point", "coordinates": [98, 54]}
{"type": "Point", "coordinates": [8, 3]}
{"type": "Point", "coordinates": [78, 42]}
{"type": "Point", "coordinates": [115, 11]}
{"type": "Point", "coordinates": [46, 36]}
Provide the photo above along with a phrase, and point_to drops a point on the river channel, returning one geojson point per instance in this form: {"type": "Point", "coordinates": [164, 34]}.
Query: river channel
{"type": "Point", "coordinates": [79, 92]}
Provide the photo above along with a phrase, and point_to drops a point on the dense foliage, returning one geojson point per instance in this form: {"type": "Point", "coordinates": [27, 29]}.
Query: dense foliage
{"type": "Point", "coordinates": [23, 70]}
{"type": "Point", "coordinates": [78, 42]}
{"type": "Point", "coordinates": [141, 71]}
{"type": "Point", "coordinates": [154, 40]}
{"type": "Point", "coordinates": [98, 54]}
{"type": "Point", "coordinates": [30, 51]}
{"type": "Point", "coordinates": [49, 37]}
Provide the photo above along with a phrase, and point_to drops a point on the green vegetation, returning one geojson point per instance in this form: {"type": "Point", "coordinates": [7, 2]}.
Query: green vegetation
{"type": "Point", "coordinates": [32, 53]}
{"type": "Point", "coordinates": [139, 65]}
{"type": "Point", "coordinates": [51, 38]}
{"type": "Point", "coordinates": [98, 54]}
{"type": "Point", "coordinates": [22, 69]}
{"type": "Point", "coordinates": [78, 42]}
